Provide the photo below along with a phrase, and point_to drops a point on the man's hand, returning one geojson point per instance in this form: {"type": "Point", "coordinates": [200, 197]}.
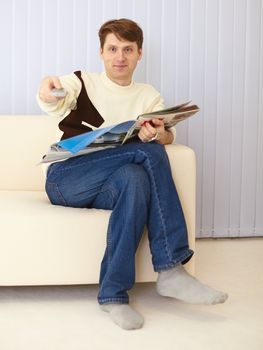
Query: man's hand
{"type": "Point", "coordinates": [46, 87]}
{"type": "Point", "coordinates": [154, 129]}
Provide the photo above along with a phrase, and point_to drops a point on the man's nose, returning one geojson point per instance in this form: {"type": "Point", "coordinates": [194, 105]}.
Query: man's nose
{"type": "Point", "coordinates": [120, 55]}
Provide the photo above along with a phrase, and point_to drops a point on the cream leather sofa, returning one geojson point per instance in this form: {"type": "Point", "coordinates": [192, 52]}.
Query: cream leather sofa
{"type": "Point", "coordinates": [42, 244]}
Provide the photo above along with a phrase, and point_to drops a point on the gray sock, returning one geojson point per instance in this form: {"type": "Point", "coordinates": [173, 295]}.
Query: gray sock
{"type": "Point", "coordinates": [123, 315]}
{"type": "Point", "coordinates": [178, 283]}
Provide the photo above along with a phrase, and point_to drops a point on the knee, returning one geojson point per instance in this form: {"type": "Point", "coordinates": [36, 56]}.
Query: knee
{"type": "Point", "coordinates": [155, 151]}
{"type": "Point", "coordinates": [135, 178]}
{"type": "Point", "coordinates": [134, 173]}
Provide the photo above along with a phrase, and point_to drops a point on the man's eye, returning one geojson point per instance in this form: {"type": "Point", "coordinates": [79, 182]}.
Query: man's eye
{"type": "Point", "coordinates": [128, 49]}
{"type": "Point", "coordinates": [112, 49]}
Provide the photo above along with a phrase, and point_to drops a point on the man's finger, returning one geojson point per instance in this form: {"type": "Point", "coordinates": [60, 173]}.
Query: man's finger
{"type": "Point", "coordinates": [157, 122]}
{"type": "Point", "coordinates": [151, 129]}
{"type": "Point", "coordinates": [148, 131]}
{"type": "Point", "coordinates": [56, 83]}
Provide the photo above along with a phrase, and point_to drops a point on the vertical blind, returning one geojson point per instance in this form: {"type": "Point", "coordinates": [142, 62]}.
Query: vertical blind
{"type": "Point", "coordinates": [209, 51]}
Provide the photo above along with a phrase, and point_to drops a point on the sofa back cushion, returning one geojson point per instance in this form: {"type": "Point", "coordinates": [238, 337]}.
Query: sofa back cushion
{"type": "Point", "coordinates": [24, 140]}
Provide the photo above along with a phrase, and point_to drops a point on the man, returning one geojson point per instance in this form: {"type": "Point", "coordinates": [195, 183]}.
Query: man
{"type": "Point", "coordinates": [127, 179]}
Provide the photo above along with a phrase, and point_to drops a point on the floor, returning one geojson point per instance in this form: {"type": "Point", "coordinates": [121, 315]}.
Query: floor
{"type": "Point", "coordinates": [57, 318]}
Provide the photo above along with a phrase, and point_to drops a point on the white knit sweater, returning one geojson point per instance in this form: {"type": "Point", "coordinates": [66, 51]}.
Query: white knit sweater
{"type": "Point", "coordinates": [115, 103]}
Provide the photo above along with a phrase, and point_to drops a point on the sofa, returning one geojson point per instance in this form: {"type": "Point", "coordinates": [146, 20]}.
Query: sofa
{"type": "Point", "coordinates": [43, 244]}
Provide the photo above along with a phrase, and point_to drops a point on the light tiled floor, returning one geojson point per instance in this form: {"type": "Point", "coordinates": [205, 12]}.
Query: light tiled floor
{"type": "Point", "coordinates": [68, 317]}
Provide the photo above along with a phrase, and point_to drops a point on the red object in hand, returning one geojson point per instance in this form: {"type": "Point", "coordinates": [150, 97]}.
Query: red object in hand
{"type": "Point", "coordinates": [148, 121]}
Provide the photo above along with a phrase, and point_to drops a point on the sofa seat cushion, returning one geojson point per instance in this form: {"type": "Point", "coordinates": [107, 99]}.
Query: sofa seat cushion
{"type": "Point", "coordinates": [41, 238]}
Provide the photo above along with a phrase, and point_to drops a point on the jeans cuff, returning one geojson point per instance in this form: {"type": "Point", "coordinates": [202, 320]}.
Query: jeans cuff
{"type": "Point", "coordinates": [181, 260]}
{"type": "Point", "coordinates": [113, 301]}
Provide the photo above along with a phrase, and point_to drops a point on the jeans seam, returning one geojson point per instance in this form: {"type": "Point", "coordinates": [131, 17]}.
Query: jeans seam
{"type": "Point", "coordinates": [158, 203]}
{"type": "Point", "coordinates": [109, 241]}
{"type": "Point", "coordinates": [59, 194]}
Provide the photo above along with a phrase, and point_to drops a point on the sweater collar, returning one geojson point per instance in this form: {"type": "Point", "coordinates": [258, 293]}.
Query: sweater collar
{"type": "Point", "coordinates": [114, 86]}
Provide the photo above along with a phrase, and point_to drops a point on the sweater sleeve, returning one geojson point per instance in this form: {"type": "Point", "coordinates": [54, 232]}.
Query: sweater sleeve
{"type": "Point", "coordinates": [63, 107]}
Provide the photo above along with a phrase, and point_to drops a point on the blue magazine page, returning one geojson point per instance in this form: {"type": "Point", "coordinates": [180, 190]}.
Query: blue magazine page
{"type": "Point", "coordinates": [76, 143]}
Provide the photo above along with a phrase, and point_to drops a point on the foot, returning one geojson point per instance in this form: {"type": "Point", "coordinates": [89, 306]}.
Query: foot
{"type": "Point", "coordinates": [123, 315]}
{"type": "Point", "coordinates": [178, 283]}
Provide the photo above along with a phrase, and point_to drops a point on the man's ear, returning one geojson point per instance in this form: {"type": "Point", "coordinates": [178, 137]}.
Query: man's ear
{"type": "Point", "coordinates": [140, 54]}
{"type": "Point", "coordinates": [101, 52]}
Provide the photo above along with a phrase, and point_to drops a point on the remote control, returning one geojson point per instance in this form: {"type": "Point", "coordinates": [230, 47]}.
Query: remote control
{"type": "Point", "coordinates": [58, 92]}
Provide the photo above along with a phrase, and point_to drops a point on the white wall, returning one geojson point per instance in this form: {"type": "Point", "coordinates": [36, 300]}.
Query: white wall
{"type": "Point", "coordinates": [207, 50]}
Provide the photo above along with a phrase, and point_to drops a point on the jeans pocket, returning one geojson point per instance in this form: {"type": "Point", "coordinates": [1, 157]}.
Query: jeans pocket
{"type": "Point", "coordinates": [54, 194]}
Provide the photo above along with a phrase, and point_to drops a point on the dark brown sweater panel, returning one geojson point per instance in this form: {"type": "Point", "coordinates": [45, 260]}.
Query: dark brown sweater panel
{"type": "Point", "coordinates": [72, 125]}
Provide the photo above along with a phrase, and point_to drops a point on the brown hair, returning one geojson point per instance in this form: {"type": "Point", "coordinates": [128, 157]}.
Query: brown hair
{"type": "Point", "coordinates": [123, 28]}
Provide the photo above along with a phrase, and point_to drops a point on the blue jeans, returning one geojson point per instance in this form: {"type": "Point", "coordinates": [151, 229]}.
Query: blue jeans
{"type": "Point", "coordinates": [135, 182]}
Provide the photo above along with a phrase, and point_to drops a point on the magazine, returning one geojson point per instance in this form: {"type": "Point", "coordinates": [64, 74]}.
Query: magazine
{"type": "Point", "coordinates": [115, 135]}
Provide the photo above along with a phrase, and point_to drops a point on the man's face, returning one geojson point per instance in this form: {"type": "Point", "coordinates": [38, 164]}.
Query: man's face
{"type": "Point", "coordinates": [120, 59]}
